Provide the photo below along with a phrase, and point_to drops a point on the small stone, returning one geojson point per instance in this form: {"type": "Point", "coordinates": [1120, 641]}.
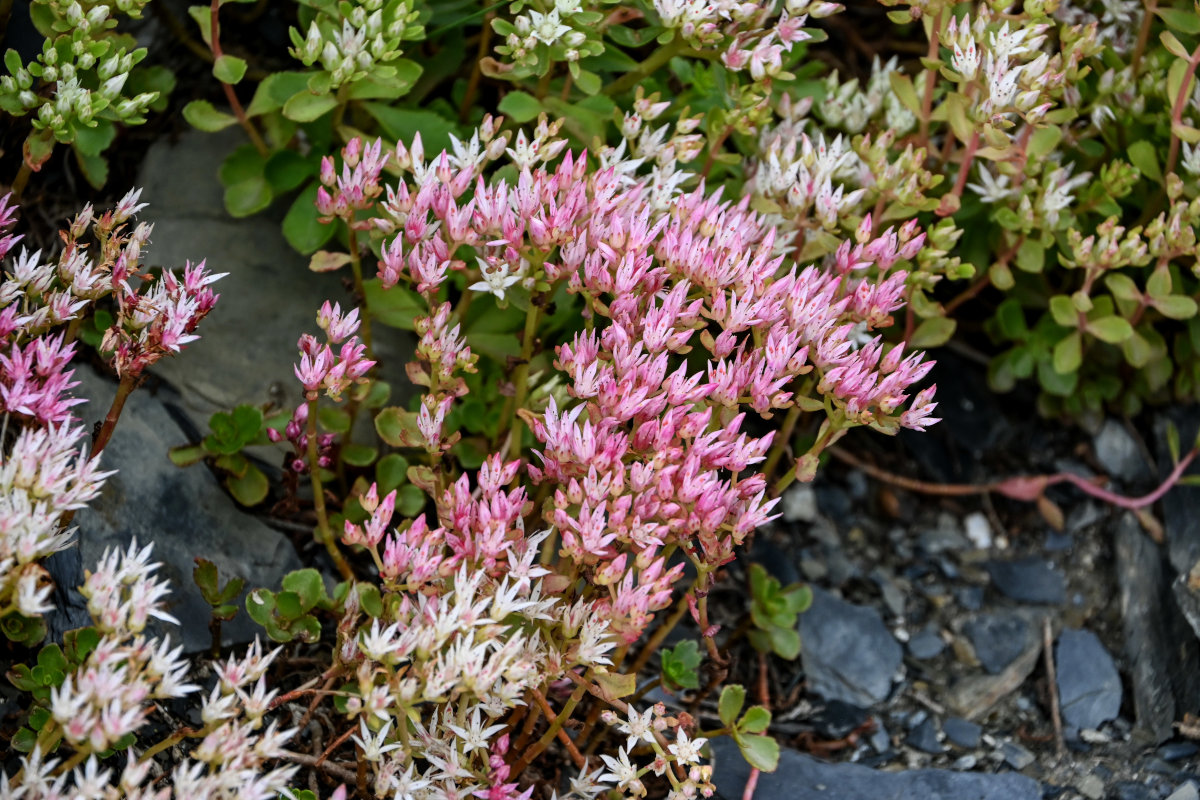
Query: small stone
{"type": "Point", "coordinates": [1187, 791]}
{"type": "Point", "coordinates": [969, 597]}
{"type": "Point", "coordinates": [880, 739]}
{"type": "Point", "coordinates": [1131, 790]}
{"type": "Point", "coordinates": [836, 719]}
{"type": "Point", "coordinates": [926, 644]}
{"type": "Point", "coordinates": [946, 536]}
{"type": "Point", "coordinates": [997, 638]}
{"type": "Point", "coordinates": [979, 530]}
{"type": "Point", "coordinates": [1029, 580]}
{"type": "Point", "coordinates": [799, 503]}
{"type": "Point", "coordinates": [1089, 687]}
{"type": "Point", "coordinates": [963, 763]}
{"type": "Point", "coordinates": [962, 732]}
{"type": "Point", "coordinates": [848, 653]}
{"type": "Point", "coordinates": [1118, 453]}
{"type": "Point", "coordinates": [1016, 756]}
{"type": "Point", "coordinates": [924, 737]}
{"type": "Point", "coordinates": [1091, 787]}
{"type": "Point", "coordinates": [893, 595]}
{"type": "Point", "coordinates": [1177, 751]}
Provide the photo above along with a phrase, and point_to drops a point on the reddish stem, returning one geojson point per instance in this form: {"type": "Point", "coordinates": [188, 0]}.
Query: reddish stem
{"type": "Point", "coordinates": [230, 96]}
{"type": "Point", "coordinates": [1177, 109]}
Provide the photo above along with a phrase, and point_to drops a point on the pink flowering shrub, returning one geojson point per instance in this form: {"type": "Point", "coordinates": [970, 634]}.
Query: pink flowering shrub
{"type": "Point", "coordinates": [45, 469]}
{"type": "Point", "coordinates": [631, 442]}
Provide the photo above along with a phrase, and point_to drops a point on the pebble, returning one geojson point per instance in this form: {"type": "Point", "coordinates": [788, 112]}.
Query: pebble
{"type": "Point", "coordinates": [848, 652]}
{"type": "Point", "coordinates": [1029, 580]}
{"type": "Point", "coordinates": [924, 737]}
{"type": "Point", "coordinates": [1131, 790]}
{"type": "Point", "coordinates": [1016, 756]}
{"type": "Point", "coordinates": [997, 638]}
{"type": "Point", "coordinates": [969, 597]}
{"type": "Point", "coordinates": [1177, 751]}
{"type": "Point", "coordinates": [962, 732]}
{"type": "Point", "coordinates": [799, 503]}
{"type": "Point", "coordinates": [926, 644]}
{"type": "Point", "coordinates": [1089, 687]}
{"type": "Point", "coordinates": [1118, 453]}
{"type": "Point", "coordinates": [1091, 787]}
{"type": "Point", "coordinates": [964, 763]}
{"type": "Point", "coordinates": [978, 530]}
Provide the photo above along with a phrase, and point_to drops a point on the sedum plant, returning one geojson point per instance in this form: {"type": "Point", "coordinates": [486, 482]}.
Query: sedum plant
{"type": "Point", "coordinates": [84, 84]}
{"type": "Point", "coordinates": [515, 595]}
{"type": "Point", "coordinates": [45, 467]}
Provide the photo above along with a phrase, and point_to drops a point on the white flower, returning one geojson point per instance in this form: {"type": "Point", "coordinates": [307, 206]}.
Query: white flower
{"type": "Point", "coordinates": [687, 751]}
{"type": "Point", "coordinates": [1191, 159]}
{"type": "Point", "coordinates": [622, 773]}
{"type": "Point", "coordinates": [989, 189]}
{"type": "Point", "coordinates": [475, 736]}
{"type": "Point", "coordinates": [373, 747]}
{"type": "Point", "coordinates": [496, 279]}
{"type": "Point", "coordinates": [547, 28]}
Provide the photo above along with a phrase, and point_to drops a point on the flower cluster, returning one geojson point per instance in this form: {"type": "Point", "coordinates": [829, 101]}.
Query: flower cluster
{"type": "Point", "coordinates": [109, 696]}
{"type": "Point", "coordinates": [351, 41]}
{"type": "Point", "coordinates": [45, 471]}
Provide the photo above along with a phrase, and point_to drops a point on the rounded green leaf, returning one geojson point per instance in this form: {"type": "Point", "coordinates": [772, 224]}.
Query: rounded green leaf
{"type": "Point", "coordinates": [520, 106]}
{"type": "Point", "coordinates": [1112, 329]}
{"type": "Point", "coordinates": [250, 489]}
{"type": "Point", "coordinates": [248, 197]}
{"type": "Point", "coordinates": [933, 332]}
{"type": "Point", "coordinates": [1175, 306]}
{"type": "Point", "coordinates": [202, 115]}
{"type": "Point", "coordinates": [359, 455]}
{"type": "Point", "coordinates": [1068, 353]}
{"type": "Point", "coordinates": [733, 697]}
{"type": "Point", "coordinates": [760, 751]}
{"type": "Point", "coordinates": [391, 472]}
{"type": "Point", "coordinates": [302, 226]}
{"type": "Point", "coordinates": [305, 106]}
{"type": "Point", "coordinates": [229, 69]}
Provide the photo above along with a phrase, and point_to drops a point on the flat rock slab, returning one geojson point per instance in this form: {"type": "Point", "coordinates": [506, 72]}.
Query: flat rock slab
{"type": "Point", "coordinates": [847, 652]}
{"type": "Point", "coordinates": [1089, 687]}
{"type": "Point", "coordinates": [801, 776]}
{"type": "Point", "coordinates": [184, 512]}
{"type": "Point", "coordinates": [269, 297]}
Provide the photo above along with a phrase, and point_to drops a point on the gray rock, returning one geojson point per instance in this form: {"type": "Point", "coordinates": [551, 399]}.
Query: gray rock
{"type": "Point", "coordinates": [962, 733]}
{"type": "Point", "coordinates": [1177, 751]}
{"type": "Point", "coordinates": [1091, 787]}
{"type": "Point", "coordinates": [1188, 600]}
{"type": "Point", "coordinates": [848, 654]}
{"type": "Point", "coordinates": [926, 644]}
{"type": "Point", "coordinates": [799, 503]}
{"type": "Point", "coordinates": [1180, 520]}
{"type": "Point", "coordinates": [998, 639]}
{"type": "Point", "coordinates": [1029, 580]}
{"type": "Point", "coordinates": [800, 775]}
{"type": "Point", "coordinates": [924, 737]}
{"type": "Point", "coordinates": [247, 343]}
{"type": "Point", "coordinates": [974, 695]}
{"type": "Point", "coordinates": [893, 596]}
{"type": "Point", "coordinates": [1118, 453]}
{"type": "Point", "coordinates": [947, 536]}
{"type": "Point", "coordinates": [184, 512]}
{"type": "Point", "coordinates": [1157, 645]}
{"type": "Point", "coordinates": [1016, 756]}
{"type": "Point", "coordinates": [964, 762]}
{"type": "Point", "coordinates": [1089, 688]}
{"type": "Point", "coordinates": [1187, 791]}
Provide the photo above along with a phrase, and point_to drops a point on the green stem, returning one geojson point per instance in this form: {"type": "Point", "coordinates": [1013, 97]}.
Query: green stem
{"type": "Point", "coordinates": [314, 471]}
{"type": "Point", "coordinates": [521, 377]}
{"type": "Point", "coordinates": [18, 184]}
{"type": "Point", "coordinates": [781, 441]}
{"type": "Point", "coordinates": [653, 62]}
{"type": "Point", "coordinates": [360, 296]}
